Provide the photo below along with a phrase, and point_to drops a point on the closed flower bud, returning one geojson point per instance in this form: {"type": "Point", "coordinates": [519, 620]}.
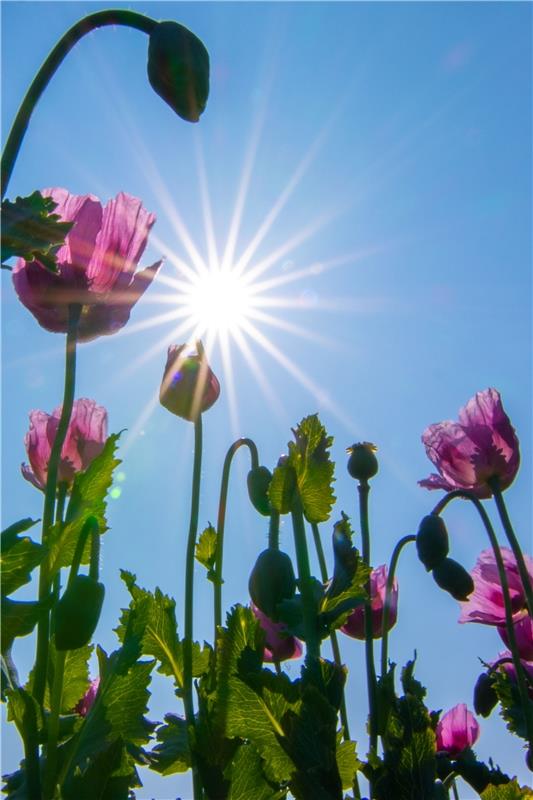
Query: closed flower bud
{"type": "Point", "coordinates": [453, 578]}
{"type": "Point", "coordinates": [362, 464]}
{"type": "Point", "coordinates": [178, 69]}
{"type": "Point", "coordinates": [258, 481]}
{"type": "Point", "coordinates": [77, 613]}
{"type": "Point", "coordinates": [189, 387]}
{"type": "Point", "coordinates": [432, 541]}
{"type": "Point", "coordinates": [271, 581]}
{"type": "Point", "coordinates": [485, 698]}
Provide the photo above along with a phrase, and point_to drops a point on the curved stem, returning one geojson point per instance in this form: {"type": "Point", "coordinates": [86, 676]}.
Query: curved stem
{"type": "Point", "coordinates": [43, 630]}
{"type": "Point", "coordinates": [221, 521]}
{"type": "Point", "coordinates": [312, 641]}
{"type": "Point", "coordinates": [513, 541]}
{"type": "Point", "coordinates": [118, 16]}
{"type": "Point", "coordinates": [364, 490]}
{"type": "Point", "coordinates": [509, 625]}
{"type": "Point", "coordinates": [388, 592]}
{"type": "Point", "coordinates": [189, 601]}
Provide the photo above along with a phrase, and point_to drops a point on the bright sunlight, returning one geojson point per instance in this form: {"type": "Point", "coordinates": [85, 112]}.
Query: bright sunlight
{"type": "Point", "coordinates": [218, 301]}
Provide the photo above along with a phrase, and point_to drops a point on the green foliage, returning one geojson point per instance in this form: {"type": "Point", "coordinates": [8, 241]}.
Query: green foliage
{"type": "Point", "coordinates": [308, 469]}
{"type": "Point", "coordinates": [347, 762]}
{"type": "Point", "coordinates": [87, 500]}
{"type": "Point", "coordinates": [19, 556]}
{"type": "Point", "coordinates": [247, 779]}
{"type": "Point", "coordinates": [512, 791]}
{"type": "Point", "coordinates": [206, 549]}
{"type": "Point", "coordinates": [31, 230]}
{"type": "Point", "coordinates": [18, 619]}
{"type": "Point", "coordinates": [172, 754]}
{"type": "Point", "coordinates": [511, 707]}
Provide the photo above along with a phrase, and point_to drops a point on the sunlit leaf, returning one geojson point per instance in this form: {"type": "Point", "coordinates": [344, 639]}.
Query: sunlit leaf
{"type": "Point", "coordinates": [172, 753]}
{"type": "Point", "coordinates": [31, 230]}
{"type": "Point", "coordinates": [206, 548]}
{"type": "Point", "coordinates": [19, 556]}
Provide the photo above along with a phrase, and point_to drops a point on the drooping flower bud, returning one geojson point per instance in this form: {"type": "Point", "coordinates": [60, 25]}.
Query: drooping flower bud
{"type": "Point", "coordinates": [258, 481]}
{"type": "Point", "coordinates": [453, 578]}
{"type": "Point", "coordinates": [178, 69]}
{"type": "Point", "coordinates": [189, 387]}
{"type": "Point", "coordinates": [432, 541]}
{"type": "Point", "coordinates": [271, 581]}
{"type": "Point", "coordinates": [77, 613]}
{"type": "Point", "coordinates": [485, 698]}
{"type": "Point", "coordinates": [362, 464]}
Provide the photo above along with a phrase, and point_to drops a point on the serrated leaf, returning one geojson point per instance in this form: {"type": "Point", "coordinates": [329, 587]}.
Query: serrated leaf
{"type": "Point", "coordinates": [206, 548]}
{"type": "Point", "coordinates": [18, 619]}
{"type": "Point", "coordinates": [247, 780]}
{"type": "Point", "coordinates": [19, 556]}
{"type": "Point", "coordinates": [75, 676]}
{"type": "Point", "coordinates": [510, 791]}
{"type": "Point", "coordinates": [347, 763]}
{"type": "Point", "coordinates": [172, 754]}
{"type": "Point", "coordinates": [87, 500]}
{"type": "Point", "coordinates": [31, 230]}
{"type": "Point", "coordinates": [282, 488]}
{"type": "Point", "coordinates": [347, 589]}
{"type": "Point", "coordinates": [511, 707]}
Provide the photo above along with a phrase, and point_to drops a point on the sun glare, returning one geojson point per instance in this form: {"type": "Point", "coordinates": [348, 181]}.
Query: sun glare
{"type": "Point", "coordinates": [218, 301]}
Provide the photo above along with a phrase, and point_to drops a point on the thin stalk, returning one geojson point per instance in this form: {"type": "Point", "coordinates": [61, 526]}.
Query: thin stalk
{"type": "Point", "coordinates": [43, 630]}
{"type": "Point", "coordinates": [454, 790]}
{"type": "Point", "coordinates": [189, 602]}
{"type": "Point", "coordinates": [312, 641]}
{"type": "Point", "coordinates": [509, 625]}
{"type": "Point", "coordinates": [273, 530]}
{"type": "Point", "coordinates": [513, 541]}
{"type": "Point", "coordinates": [387, 602]}
{"type": "Point", "coordinates": [49, 782]}
{"type": "Point", "coordinates": [119, 16]}
{"type": "Point", "coordinates": [364, 490]}
{"type": "Point", "coordinates": [221, 521]}
{"type": "Point", "coordinates": [60, 510]}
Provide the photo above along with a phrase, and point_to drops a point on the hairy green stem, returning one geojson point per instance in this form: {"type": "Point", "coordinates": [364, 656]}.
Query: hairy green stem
{"type": "Point", "coordinates": [119, 16]}
{"type": "Point", "coordinates": [49, 782]}
{"type": "Point", "coordinates": [364, 490]}
{"type": "Point", "coordinates": [221, 521]}
{"type": "Point", "coordinates": [509, 625]}
{"type": "Point", "coordinates": [387, 602]}
{"type": "Point", "coordinates": [189, 602]}
{"type": "Point", "coordinates": [513, 541]}
{"type": "Point", "coordinates": [312, 641]}
{"type": "Point", "coordinates": [43, 630]}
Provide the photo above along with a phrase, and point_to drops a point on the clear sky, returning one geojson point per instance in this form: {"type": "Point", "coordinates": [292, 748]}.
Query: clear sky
{"type": "Point", "coordinates": [374, 161]}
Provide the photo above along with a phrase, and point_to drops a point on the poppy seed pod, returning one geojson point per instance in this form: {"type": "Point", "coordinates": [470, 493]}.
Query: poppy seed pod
{"type": "Point", "coordinates": [362, 464]}
{"type": "Point", "coordinates": [453, 578]}
{"type": "Point", "coordinates": [432, 541]}
{"type": "Point", "coordinates": [178, 69]}
{"type": "Point", "coordinates": [485, 698]}
{"type": "Point", "coordinates": [258, 481]}
{"type": "Point", "coordinates": [78, 612]}
{"type": "Point", "coordinates": [271, 581]}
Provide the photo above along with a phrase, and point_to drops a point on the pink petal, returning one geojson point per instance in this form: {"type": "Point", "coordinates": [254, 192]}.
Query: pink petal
{"type": "Point", "coordinates": [86, 213]}
{"type": "Point", "coordinates": [38, 448]}
{"type": "Point", "coordinates": [43, 294]}
{"type": "Point", "coordinates": [456, 730]}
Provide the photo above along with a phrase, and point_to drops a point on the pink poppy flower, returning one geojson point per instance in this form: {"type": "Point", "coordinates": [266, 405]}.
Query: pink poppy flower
{"type": "Point", "coordinates": [456, 730]}
{"type": "Point", "coordinates": [485, 604]}
{"type": "Point", "coordinates": [96, 266]}
{"type": "Point", "coordinates": [523, 631]}
{"type": "Point", "coordinates": [468, 453]}
{"type": "Point", "coordinates": [85, 439]}
{"type": "Point", "coordinates": [278, 647]}
{"type": "Point", "coordinates": [86, 702]}
{"type": "Point", "coordinates": [355, 624]}
{"type": "Point", "coordinates": [189, 386]}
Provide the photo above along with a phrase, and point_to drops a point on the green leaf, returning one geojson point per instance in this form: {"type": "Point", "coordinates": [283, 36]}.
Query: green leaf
{"type": "Point", "coordinates": [172, 753]}
{"type": "Point", "coordinates": [282, 488]}
{"type": "Point", "coordinates": [247, 780]}
{"type": "Point", "coordinates": [347, 762]}
{"type": "Point", "coordinates": [18, 619]}
{"type": "Point", "coordinates": [511, 707]}
{"type": "Point", "coordinates": [87, 499]}
{"type": "Point", "coordinates": [19, 556]}
{"type": "Point", "coordinates": [511, 791]}
{"type": "Point", "coordinates": [350, 577]}
{"type": "Point", "coordinates": [31, 230]}
{"type": "Point", "coordinates": [75, 676]}
{"type": "Point", "coordinates": [205, 552]}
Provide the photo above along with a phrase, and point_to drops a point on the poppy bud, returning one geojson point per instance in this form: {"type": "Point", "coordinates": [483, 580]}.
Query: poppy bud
{"type": "Point", "coordinates": [432, 541]}
{"type": "Point", "coordinates": [362, 464]}
{"type": "Point", "coordinates": [258, 481]}
{"type": "Point", "coordinates": [271, 581]}
{"type": "Point", "coordinates": [77, 613]}
{"type": "Point", "coordinates": [485, 698]}
{"type": "Point", "coordinates": [189, 387]}
{"type": "Point", "coordinates": [453, 578]}
{"type": "Point", "coordinates": [178, 69]}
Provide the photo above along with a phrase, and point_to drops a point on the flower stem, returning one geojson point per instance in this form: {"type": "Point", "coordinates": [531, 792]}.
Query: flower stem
{"type": "Point", "coordinates": [120, 16]}
{"type": "Point", "coordinates": [221, 521]}
{"type": "Point", "coordinates": [189, 602]}
{"type": "Point", "coordinates": [49, 782]}
{"type": "Point", "coordinates": [364, 490]}
{"type": "Point", "coordinates": [513, 541]}
{"type": "Point", "coordinates": [273, 530]}
{"type": "Point", "coordinates": [312, 641]}
{"type": "Point", "coordinates": [388, 592]}
{"type": "Point", "coordinates": [520, 672]}
{"type": "Point", "coordinates": [43, 630]}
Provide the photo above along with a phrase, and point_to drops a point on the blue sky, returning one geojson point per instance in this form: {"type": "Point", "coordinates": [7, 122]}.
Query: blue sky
{"type": "Point", "coordinates": [383, 152]}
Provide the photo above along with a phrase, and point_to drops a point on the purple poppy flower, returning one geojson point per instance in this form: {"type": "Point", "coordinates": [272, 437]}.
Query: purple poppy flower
{"type": "Point", "coordinates": [456, 730]}
{"type": "Point", "coordinates": [85, 439]}
{"type": "Point", "coordinates": [468, 453]}
{"type": "Point", "coordinates": [355, 624]}
{"type": "Point", "coordinates": [189, 386]}
{"type": "Point", "coordinates": [96, 266]}
{"type": "Point", "coordinates": [485, 604]}
{"type": "Point", "coordinates": [86, 702]}
{"type": "Point", "coordinates": [523, 631]}
{"type": "Point", "coordinates": [278, 646]}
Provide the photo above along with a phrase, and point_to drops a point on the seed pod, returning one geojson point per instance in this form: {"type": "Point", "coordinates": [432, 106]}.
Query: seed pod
{"type": "Point", "coordinates": [78, 612]}
{"type": "Point", "coordinates": [485, 698]}
{"type": "Point", "coordinates": [453, 578]}
{"type": "Point", "coordinates": [258, 481]}
{"type": "Point", "coordinates": [432, 541]}
{"type": "Point", "coordinates": [362, 464]}
{"type": "Point", "coordinates": [178, 69]}
{"type": "Point", "coordinates": [271, 581]}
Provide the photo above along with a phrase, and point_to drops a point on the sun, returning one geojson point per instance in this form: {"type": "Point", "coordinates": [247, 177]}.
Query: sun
{"type": "Point", "coordinates": [218, 301]}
